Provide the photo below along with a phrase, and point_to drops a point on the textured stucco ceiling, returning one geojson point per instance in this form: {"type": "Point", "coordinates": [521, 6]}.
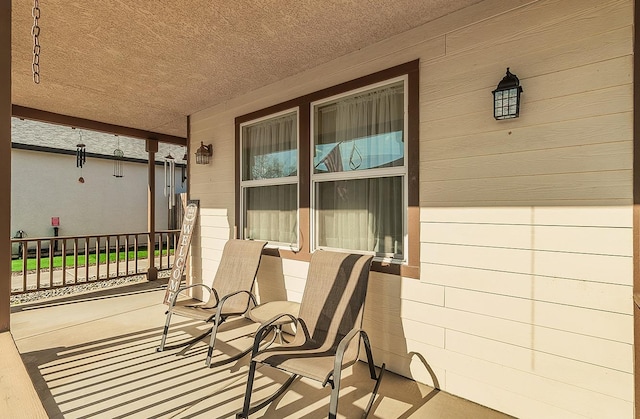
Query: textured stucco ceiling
{"type": "Point", "coordinates": [148, 64]}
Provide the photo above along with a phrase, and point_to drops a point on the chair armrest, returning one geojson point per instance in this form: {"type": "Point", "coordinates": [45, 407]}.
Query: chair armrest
{"type": "Point", "coordinates": [226, 297]}
{"type": "Point", "coordinates": [220, 304]}
{"type": "Point", "coordinates": [266, 328]}
{"type": "Point", "coordinates": [341, 349]}
{"type": "Point", "coordinates": [175, 296]}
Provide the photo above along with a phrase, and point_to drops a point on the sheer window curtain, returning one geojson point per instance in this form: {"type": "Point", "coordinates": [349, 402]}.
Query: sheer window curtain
{"type": "Point", "coordinates": [270, 148]}
{"type": "Point", "coordinates": [270, 153]}
{"type": "Point", "coordinates": [368, 213]}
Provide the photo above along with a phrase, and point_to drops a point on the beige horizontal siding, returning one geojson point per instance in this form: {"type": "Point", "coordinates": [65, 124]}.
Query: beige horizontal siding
{"type": "Point", "coordinates": [604, 296]}
{"type": "Point", "coordinates": [585, 216]}
{"type": "Point", "coordinates": [563, 135]}
{"type": "Point", "coordinates": [579, 266]}
{"type": "Point", "coordinates": [611, 241]}
{"type": "Point", "coordinates": [596, 378]}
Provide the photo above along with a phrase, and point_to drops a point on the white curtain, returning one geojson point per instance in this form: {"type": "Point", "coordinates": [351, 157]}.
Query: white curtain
{"type": "Point", "coordinates": [271, 213]}
{"type": "Point", "coordinates": [367, 213]}
{"type": "Point", "coordinates": [269, 148]}
{"type": "Point", "coordinates": [357, 125]}
{"type": "Point", "coordinates": [362, 214]}
{"type": "Point", "coordinates": [270, 152]}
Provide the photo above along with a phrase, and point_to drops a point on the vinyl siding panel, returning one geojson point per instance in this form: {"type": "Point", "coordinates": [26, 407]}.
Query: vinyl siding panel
{"type": "Point", "coordinates": [524, 301]}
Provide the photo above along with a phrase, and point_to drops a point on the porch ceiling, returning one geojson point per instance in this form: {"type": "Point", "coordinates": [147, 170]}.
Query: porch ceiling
{"type": "Point", "coordinates": [147, 65]}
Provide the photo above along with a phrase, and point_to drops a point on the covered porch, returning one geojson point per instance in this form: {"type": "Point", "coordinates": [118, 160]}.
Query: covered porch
{"type": "Point", "coordinates": [515, 252]}
{"type": "Point", "coordinates": [93, 355]}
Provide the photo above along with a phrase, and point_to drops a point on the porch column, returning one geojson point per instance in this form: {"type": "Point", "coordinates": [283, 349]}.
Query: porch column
{"type": "Point", "coordinates": [152, 149]}
{"type": "Point", "coordinates": [5, 163]}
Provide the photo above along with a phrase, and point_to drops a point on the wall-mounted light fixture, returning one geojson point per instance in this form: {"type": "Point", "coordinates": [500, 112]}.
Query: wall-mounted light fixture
{"type": "Point", "coordinates": [506, 97]}
{"type": "Point", "coordinates": [204, 153]}
{"type": "Point", "coordinates": [184, 168]}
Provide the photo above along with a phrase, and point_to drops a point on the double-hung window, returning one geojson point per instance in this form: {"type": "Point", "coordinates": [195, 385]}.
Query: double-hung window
{"type": "Point", "coordinates": [338, 169]}
{"type": "Point", "coordinates": [359, 172]}
{"type": "Point", "coordinates": [269, 179]}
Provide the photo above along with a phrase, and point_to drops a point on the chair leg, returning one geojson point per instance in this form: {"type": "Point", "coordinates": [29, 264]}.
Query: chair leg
{"type": "Point", "coordinates": [249, 408]}
{"type": "Point", "coordinates": [212, 343]}
{"type": "Point", "coordinates": [335, 394]}
{"type": "Point", "coordinates": [247, 394]}
{"type": "Point", "coordinates": [165, 332]}
{"type": "Point", "coordinates": [372, 372]}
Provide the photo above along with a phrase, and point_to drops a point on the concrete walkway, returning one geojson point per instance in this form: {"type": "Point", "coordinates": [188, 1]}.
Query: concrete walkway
{"type": "Point", "coordinates": [94, 356]}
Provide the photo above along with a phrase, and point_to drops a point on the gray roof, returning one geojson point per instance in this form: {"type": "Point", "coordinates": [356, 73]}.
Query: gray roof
{"type": "Point", "coordinates": [41, 134]}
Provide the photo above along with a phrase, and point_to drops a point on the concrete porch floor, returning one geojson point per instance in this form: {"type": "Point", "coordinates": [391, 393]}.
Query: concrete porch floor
{"type": "Point", "coordinates": [93, 355]}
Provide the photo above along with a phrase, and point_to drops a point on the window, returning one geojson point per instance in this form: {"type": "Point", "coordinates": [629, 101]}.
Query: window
{"type": "Point", "coordinates": [269, 179]}
{"type": "Point", "coordinates": [354, 186]}
{"type": "Point", "coordinates": [359, 171]}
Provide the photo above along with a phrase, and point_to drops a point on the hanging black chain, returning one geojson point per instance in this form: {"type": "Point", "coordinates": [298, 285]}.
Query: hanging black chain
{"type": "Point", "coordinates": [35, 31]}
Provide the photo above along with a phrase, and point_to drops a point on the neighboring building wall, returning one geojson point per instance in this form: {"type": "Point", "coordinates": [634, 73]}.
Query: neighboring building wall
{"type": "Point", "coordinates": [524, 302]}
{"type": "Point", "coordinates": [45, 185]}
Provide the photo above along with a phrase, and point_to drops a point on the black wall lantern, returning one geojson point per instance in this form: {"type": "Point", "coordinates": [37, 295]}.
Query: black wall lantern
{"type": "Point", "coordinates": [203, 153]}
{"type": "Point", "coordinates": [506, 97]}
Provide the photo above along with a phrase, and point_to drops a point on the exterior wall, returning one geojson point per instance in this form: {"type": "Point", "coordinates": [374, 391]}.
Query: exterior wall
{"type": "Point", "coordinates": [524, 302]}
{"type": "Point", "coordinates": [103, 204]}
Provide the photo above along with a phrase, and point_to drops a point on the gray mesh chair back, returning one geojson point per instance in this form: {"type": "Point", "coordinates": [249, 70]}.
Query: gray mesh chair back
{"type": "Point", "coordinates": [231, 293]}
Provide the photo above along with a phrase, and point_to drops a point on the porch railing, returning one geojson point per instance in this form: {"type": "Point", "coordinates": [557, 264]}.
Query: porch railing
{"type": "Point", "coordinates": [54, 262]}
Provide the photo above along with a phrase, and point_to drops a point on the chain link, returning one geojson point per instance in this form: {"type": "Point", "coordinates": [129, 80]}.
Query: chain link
{"type": "Point", "coordinates": [35, 31]}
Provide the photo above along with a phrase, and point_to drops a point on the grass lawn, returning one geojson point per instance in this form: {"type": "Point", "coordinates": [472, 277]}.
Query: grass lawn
{"type": "Point", "coordinates": [16, 265]}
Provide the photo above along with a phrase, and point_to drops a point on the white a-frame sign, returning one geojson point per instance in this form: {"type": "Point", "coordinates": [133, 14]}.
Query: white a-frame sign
{"type": "Point", "coordinates": [182, 250]}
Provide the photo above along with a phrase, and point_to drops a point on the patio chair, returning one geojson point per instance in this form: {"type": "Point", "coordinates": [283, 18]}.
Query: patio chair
{"type": "Point", "coordinates": [330, 318]}
{"type": "Point", "coordinates": [231, 293]}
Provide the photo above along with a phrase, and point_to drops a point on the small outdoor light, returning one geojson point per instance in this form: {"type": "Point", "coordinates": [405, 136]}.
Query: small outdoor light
{"type": "Point", "coordinates": [203, 153]}
{"type": "Point", "coordinates": [506, 97]}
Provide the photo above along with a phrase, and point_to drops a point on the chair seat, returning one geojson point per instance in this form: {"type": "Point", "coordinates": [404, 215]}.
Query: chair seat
{"type": "Point", "coordinates": [306, 360]}
{"type": "Point", "coordinates": [197, 310]}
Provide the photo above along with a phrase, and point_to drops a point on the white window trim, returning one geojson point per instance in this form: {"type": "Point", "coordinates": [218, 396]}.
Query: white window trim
{"type": "Point", "coordinates": [289, 180]}
{"type": "Point", "coordinates": [370, 173]}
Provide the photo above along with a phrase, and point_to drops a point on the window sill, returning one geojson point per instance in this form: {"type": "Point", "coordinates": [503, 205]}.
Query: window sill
{"type": "Point", "coordinates": [389, 268]}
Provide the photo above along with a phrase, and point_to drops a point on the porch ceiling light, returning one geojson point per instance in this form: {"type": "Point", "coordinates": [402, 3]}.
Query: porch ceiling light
{"type": "Point", "coordinates": [204, 153]}
{"type": "Point", "coordinates": [506, 97]}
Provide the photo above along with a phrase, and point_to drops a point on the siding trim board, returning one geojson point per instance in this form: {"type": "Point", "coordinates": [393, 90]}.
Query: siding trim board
{"type": "Point", "coordinates": [636, 207]}
{"type": "Point", "coordinates": [53, 150]}
{"type": "Point", "coordinates": [72, 121]}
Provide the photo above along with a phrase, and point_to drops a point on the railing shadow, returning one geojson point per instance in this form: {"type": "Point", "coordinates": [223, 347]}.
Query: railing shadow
{"type": "Point", "coordinates": [108, 365]}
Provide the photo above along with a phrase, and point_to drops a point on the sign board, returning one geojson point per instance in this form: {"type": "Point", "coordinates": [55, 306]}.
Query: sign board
{"type": "Point", "coordinates": [182, 250]}
{"type": "Point", "coordinates": [55, 221]}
